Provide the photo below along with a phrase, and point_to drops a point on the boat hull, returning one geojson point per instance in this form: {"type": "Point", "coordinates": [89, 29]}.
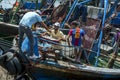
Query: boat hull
{"type": "Point", "coordinates": [83, 72]}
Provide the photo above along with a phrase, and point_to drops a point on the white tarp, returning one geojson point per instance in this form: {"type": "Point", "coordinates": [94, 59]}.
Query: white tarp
{"type": "Point", "coordinates": [7, 4]}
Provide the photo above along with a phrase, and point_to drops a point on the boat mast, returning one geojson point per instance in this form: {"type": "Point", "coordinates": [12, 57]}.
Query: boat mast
{"type": "Point", "coordinates": [101, 31]}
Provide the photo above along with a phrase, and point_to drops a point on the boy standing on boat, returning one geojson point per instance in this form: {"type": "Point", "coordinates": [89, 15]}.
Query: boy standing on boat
{"type": "Point", "coordinates": [25, 27]}
{"type": "Point", "coordinates": [58, 35]}
{"type": "Point", "coordinates": [77, 36]}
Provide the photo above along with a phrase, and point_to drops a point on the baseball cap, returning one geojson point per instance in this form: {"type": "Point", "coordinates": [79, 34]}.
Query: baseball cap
{"type": "Point", "coordinates": [57, 24]}
{"type": "Point", "coordinates": [117, 29]}
{"type": "Point", "coordinates": [38, 11]}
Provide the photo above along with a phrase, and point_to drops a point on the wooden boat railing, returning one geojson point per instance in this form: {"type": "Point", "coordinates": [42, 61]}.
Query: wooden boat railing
{"type": "Point", "coordinates": [68, 51]}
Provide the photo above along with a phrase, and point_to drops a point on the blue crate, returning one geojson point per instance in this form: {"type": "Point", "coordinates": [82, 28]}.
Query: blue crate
{"type": "Point", "coordinates": [31, 5]}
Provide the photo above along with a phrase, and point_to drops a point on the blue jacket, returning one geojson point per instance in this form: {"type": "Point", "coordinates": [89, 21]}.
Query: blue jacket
{"type": "Point", "coordinates": [26, 45]}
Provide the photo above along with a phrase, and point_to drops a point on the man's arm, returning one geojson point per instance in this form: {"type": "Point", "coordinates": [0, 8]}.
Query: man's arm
{"type": "Point", "coordinates": [68, 37]}
{"type": "Point", "coordinates": [45, 26]}
{"type": "Point", "coordinates": [83, 41]}
{"type": "Point", "coordinates": [83, 37]}
{"type": "Point", "coordinates": [68, 40]}
{"type": "Point", "coordinates": [63, 37]}
{"type": "Point", "coordinates": [113, 15]}
{"type": "Point", "coordinates": [67, 25]}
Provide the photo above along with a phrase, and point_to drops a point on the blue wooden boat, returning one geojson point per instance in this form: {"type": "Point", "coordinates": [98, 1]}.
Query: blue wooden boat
{"type": "Point", "coordinates": [64, 69]}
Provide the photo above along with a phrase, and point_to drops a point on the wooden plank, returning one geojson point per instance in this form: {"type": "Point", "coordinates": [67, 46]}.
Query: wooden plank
{"type": "Point", "coordinates": [8, 29]}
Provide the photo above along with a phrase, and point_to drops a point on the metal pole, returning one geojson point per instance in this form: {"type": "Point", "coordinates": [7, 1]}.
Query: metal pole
{"type": "Point", "coordinates": [101, 33]}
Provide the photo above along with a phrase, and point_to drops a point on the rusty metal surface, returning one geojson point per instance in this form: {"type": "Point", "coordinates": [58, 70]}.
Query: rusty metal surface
{"type": "Point", "coordinates": [91, 30]}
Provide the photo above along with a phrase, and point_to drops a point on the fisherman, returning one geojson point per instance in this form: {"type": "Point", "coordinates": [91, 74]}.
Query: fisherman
{"type": "Point", "coordinates": [77, 36]}
{"type": "Point", "coordinates": [25, 27]}
{"type": "Point", "coordinates": [26, 44]}
{"type": "Point", "coordinates": [58, 35]}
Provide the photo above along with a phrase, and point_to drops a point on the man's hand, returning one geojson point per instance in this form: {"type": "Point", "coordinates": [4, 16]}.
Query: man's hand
{"type": "Point", "coordinates": [58, 40]}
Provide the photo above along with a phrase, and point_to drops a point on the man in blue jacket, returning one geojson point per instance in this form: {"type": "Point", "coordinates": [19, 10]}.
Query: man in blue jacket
{"type": "Point", "coordinates": [25, 27]}
{"type": "Point", "coordinates": [26, 45]}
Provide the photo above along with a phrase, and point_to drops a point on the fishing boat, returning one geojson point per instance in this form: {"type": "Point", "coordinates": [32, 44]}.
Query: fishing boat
{"type": "Point", "coordinates": [103, 64]}
{"type": "Point", "coordinates": [64, 69]}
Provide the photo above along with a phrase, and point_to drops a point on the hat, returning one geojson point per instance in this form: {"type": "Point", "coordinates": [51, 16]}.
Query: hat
{"type": "Point", "coordinates": [57, 24]}
{"type": "Point", "coordinates": [117, 29]}
{"type": "Point", "coordinates": [38, 11]}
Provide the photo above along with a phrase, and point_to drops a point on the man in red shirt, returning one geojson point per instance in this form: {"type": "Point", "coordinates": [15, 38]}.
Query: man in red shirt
{"type": "Point", "coordinates": [77, 36]}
